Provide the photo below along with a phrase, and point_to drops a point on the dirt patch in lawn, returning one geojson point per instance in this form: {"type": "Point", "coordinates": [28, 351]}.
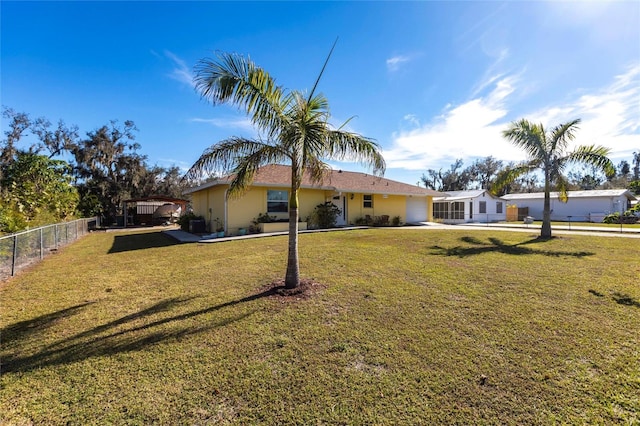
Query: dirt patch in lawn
{"type": "Point", "coordinates": [308, 288]}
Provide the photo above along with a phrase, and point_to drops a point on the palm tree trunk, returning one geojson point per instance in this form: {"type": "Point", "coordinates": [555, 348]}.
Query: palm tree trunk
{"type": "Point", "coordinates": [292, 278]}
{"type": "Point", "coordinates": [546, 210]}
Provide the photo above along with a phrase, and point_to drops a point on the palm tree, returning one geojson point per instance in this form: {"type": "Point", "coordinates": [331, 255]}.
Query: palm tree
{"type": "Point", "coordinates": [547, 151]}
{"type": "Point", "coordinates": [294, 130]}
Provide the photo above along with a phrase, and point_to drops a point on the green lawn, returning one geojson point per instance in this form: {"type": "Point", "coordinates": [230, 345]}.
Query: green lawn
{"type": "Point", "coordinates": [401, 327]}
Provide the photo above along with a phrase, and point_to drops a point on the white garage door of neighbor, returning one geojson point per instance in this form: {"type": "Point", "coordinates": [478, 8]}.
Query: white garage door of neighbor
{"type": "Point", "coordinates": [416, 209]}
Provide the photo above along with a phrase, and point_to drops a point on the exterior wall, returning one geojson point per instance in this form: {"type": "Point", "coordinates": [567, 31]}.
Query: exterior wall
{"type": "Point", "coordinates": [209, 203]}
{"type": "Point", "coordinates": [579, 208]}
{"type": "Point", "coordinates": [491, 214]}
{"type": "Point", "coordinates": [471, 212]}
{"type": "Point", "coordinates": [393, 205]}
{"type": "Point", "coordinates": [240, 212]}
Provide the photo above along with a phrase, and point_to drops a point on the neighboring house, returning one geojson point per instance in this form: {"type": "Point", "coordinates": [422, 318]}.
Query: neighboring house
{"type": "Point", "coordinates": [469, 206]}
{"type": "Point", "coordinates": [582, 206]}
{"type": "Point", "coordinates": [357, 195]}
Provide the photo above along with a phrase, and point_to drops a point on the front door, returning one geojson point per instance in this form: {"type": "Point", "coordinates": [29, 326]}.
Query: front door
{"type": "Point", "coordinates": [340, 201]}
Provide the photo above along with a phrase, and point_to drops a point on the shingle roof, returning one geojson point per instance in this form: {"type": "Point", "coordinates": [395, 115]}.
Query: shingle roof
{"type": "Point", "coordinates": [573, 194]}
{"type": "Point", "coordinates": [336, 180]}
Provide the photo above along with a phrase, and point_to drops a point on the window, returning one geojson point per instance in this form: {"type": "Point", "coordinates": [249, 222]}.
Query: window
{"type": "Point", "coordinates": [498, 206]}
{"type": "Point", "coordinates": [277, 201]}
{"type": "Point", "coordinates": [482, 205]}
{"type": "Point", "coordinates": [440, 210]}
{"type": "Point", "coordinates": [368, 201]}
{"type": "Point", "coordinates": [457, 210]}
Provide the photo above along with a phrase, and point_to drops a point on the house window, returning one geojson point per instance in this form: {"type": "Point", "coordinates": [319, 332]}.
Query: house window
{"type": "Point", "coordinates": [368, 201]}
{"type": "Point", "coordinates": [440, 210]}
{"type": "Point", "coordinates": [457, 210]}
{"type": "Point", "coordinates": [277, 201]}
{"type": "Point", "coordinates": [499, 207]}
{"type": "Point", "coordinates": [482, 206]}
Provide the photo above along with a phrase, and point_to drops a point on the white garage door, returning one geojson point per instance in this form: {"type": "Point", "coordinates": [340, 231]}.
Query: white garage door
{"type": "Point", "coordinates": [416, 209]}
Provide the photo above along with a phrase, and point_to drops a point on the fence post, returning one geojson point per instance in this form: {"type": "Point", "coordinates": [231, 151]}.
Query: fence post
{"type": "Point", "coordinates": [41, 244]}
{"type": "Point", "coordinates": [15, 254]}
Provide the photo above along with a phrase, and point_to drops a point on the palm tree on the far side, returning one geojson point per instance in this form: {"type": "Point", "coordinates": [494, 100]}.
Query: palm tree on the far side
{"type": "Point", "coordinates": [548, 151]}
{"type": "Point", "coordinates": [294, 130]}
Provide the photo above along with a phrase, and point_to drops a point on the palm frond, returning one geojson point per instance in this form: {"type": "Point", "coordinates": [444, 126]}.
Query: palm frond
{"type": "Point", "coordinates": [511, 174]}
{"type": "Point", "coordinates": [343, 145]}
{"type": "Point", "coordinates": [561, 135]}
{"type": "Point", "coordinates": [248, 165]}
{"type": "Point", "coordinates": [231, 78]}
{"type": "Point", "coordinates": [562, 186]}
{"type": "Point", "coordinates": [529, 137]}
{"type": "Point", "coordinates": [593, 155]}
{"type": "Point", "coordinates": [222, 157]}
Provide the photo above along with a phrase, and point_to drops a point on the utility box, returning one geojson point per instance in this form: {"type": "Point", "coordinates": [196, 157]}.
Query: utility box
{"type": "Point", "coordinates": [197, 226]}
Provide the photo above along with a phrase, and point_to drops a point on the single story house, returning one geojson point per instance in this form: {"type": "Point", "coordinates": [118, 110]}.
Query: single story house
{"type": "Point", "coordinates": [582, 206]}
{"type": "Point", "coordinates": [469, 206]}
{"type": "Point", "coordinates": [357, 195]}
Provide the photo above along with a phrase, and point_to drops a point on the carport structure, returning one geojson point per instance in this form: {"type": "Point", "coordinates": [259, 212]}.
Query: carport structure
{"type": "Point", "coordinates": [146, 207]}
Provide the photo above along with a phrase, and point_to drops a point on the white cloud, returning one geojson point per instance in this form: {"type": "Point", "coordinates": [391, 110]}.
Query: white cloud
{"type": "Point", "coordinates": [472, 129]}
{"type": "Point", "coordinates": [227, 123]}
{"type": "Point", "coordinates": [180, 72]}
{"type": "Point", "coordinates": [393, 64]}
{"type": "Point", "coordinates": [610, 117]}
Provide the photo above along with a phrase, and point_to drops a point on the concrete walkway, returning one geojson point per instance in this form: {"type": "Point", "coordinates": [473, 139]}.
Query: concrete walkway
{"type": "Point", "coordinates": [627, 232]}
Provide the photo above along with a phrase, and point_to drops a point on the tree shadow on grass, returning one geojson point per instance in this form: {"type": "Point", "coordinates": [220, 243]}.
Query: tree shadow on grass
{"type": "Point", "coordinates": [624, 299]}
{"type": "Point", "coordinates": [133, 332]}
{"type": "Point", "coordinates": [131, 242]}
{"type": "Point", "coordinates": [495, 245]}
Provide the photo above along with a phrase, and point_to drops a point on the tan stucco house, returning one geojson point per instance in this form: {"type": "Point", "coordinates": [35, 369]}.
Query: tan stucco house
{"type": "Point", "coordinates": [357, 195]}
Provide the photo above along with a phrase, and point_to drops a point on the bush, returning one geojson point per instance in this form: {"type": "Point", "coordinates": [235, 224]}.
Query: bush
{"type": "Point", "coordinates": [325, 215]}
{"type": "Point", "coordinates": [396, 221]}
{"type": "Point", "coordinates": [264, 218]}
{"type": "Point", "coordinates": [627, 218]}
{"type": "Point", "coordinates": [186, 218]}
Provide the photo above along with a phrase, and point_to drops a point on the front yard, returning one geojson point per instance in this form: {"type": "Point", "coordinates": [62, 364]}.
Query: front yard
{"type": "Point", "coordinates": [401, 327]}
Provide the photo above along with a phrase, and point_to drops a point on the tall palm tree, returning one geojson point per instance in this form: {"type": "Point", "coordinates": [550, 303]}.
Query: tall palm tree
{"type": "Point", "coordinates": [294, 129]}
{"type": "Point", "coordinates": [547, 151]}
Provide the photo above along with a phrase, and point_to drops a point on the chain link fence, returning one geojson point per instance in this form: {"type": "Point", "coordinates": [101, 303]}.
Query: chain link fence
{"type": "Point", "coordinates": [22, 249]}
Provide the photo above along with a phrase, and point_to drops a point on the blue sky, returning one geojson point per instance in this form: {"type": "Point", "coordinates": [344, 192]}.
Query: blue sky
{"type": "Point", "coordinates": [429, 81]}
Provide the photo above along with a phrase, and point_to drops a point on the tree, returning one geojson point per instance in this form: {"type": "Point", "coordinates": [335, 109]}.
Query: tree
{"type": "Point", "coordinates": [547, 151]}
{"type": "Point", "coordinates": [454, 179]}
{"type": "Point", "coordinates": [294, 130]}
{"type": "Point", "coordinates": [484, 171]}
{"type": "Point", "coordinates": [36, 190]}
{"type": "Point", "coordinates": [109, 166]}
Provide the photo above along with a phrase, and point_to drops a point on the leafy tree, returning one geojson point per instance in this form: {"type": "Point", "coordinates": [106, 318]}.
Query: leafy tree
{"type": "Point", "coordinates": [109, 166]}
{"type": "Point", "coordinates": [37, 190]}
{"type": "Point", "coordinates": [547, 151]}
{"type": "Point", "coordinates": [484, 171]}
{"type": "Point", "coordinates": [295, 130]}
{"type": "Point", "coordinates": [636, 165]}
{"type": "Point", "coordinates": [454, 179]}
{"type": "Point", "coordinates": [19, 122]}
{"type": "Point", "coordinates": [624, 169]}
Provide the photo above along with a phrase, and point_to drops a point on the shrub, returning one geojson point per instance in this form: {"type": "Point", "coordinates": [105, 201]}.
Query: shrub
{"type": "Point", "coordinates": [264, 218]}
{"type": "Point", "coordinates": [184, 220]}
{"type": "Point", "coordinates": [325, 215]}
{"type": "Point", "coordinates": [396, 221]}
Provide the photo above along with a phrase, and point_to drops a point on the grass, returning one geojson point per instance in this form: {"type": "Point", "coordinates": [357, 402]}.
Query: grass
{"type": "Point", "coordinates": [403, 327]}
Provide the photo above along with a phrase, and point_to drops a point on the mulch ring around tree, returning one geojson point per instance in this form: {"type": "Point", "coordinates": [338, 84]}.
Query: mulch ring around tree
{"type": "Point", "coordinates": [307, 289]}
